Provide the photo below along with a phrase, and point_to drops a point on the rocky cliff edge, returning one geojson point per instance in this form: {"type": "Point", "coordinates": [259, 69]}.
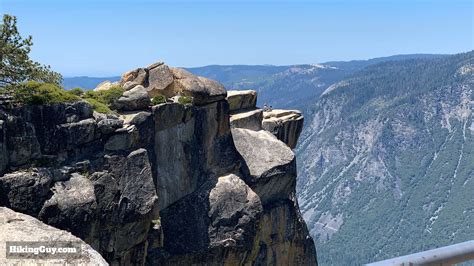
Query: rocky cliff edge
{"type": "Point", "coordinates": [195, 182]}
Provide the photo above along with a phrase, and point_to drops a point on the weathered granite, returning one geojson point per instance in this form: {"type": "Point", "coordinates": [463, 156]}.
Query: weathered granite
{"type": "Point", "coordinates": [159, 78]}
{"type": "Point", "coordinates": [222, 213]}
{"type": "Point", "coordinates": [134, 99]}
{"type": "Point", "coordinates": [18, 227]}
{"type": "Point", "coordinates": [286, 125]}
{"type": "Point", "coordinates": [25, 191]}
{"type": "Point", "coordinates": [283, 238]}
{"type": "Point", "coordinates": [191, 143]}
{"type": "Point", "coordinates": [202, 90]}
{"type": "Point", "coordinates": [248, 119]}
{"type": "Point", "coordinates": [238, 100]}
{"type": "Point", "coordinates": [271, 165]}
{"type": "Point", "coordinates": [167, 185]}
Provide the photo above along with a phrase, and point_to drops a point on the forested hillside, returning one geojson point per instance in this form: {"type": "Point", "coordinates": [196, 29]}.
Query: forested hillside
{"type": "Point", "coordinates": [386, 161]}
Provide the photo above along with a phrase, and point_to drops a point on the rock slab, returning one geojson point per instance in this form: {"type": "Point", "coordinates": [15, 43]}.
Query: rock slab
{"type": "Point", "coordinates": [16, 226]}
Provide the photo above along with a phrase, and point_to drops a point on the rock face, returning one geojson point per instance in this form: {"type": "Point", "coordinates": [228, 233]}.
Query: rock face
{"type": "Point", "coordinates": [3, 147]}
{"type": "Point", "coordinates": [170, 184]}
{"type": "Point", "coordinates": [16, 226]}
{"type": "Point", "coordinates": [271, 166]}
{"type": "Point", "coordinates": [286, 125]}
{"type": "Point", "coordinates": [239, 100]}
{"type": "Point", "coordinates": [244, 113]}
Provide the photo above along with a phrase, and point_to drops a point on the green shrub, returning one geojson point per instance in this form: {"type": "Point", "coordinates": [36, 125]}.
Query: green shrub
{"type": "Point", "coordinates": [107, 97]}
{"type": "Point", "coordinates": [98, 106]}
{"type": "Point", "coordinates": [185, 100]}
{"type": "Point", "coordinates": [76, 91]}
{"type": "Point", "coordinates": [158, 99]}
{"type": "Point", "coordinates": [42, 93]}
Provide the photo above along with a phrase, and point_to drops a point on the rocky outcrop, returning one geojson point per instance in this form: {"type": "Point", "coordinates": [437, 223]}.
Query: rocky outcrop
{"type": "Point", "coordinates": [286, 125]}
{"type": "Point", "coordinates": [170, 184]}
{"type": "Point", "coordinates": [249, 119]}
{"type": "Point", "coordinates": [18, 227]}
{"type": "Point", "coordinates": [193, 144]}
{"type": "Point", "coordinates": [271, 167]}
{"type": "Point", "coordinates": [241, 100]}
{"type": "Point", "coordinates": [283, 238]}
{"type": "Point", "coordinates": [222, 213]}
{"type": "Point", "coordinates": [134, 99]}
{"type": "Point", "coordinates": [244, 113]}
{"type": "Point", "coordinates": [203, 90]}
{"type": "Point", "coordinates": [159, 79]}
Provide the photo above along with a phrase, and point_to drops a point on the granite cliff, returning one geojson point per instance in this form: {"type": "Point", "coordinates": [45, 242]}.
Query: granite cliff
{"type": "Point", "coordinates": [199, 182]}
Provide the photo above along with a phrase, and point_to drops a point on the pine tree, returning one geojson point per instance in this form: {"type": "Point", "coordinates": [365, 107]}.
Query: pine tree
{"type": "Point", "coordinates": [15, 65]}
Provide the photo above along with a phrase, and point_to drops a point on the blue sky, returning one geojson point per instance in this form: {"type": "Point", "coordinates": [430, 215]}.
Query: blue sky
{"type": "Point", "coordinates": [103, 38]}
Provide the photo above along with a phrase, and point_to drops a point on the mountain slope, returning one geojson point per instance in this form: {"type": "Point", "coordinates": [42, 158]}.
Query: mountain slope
{"type": "Point", "coordinates": [386, 161]}
{"type": "Point", "coordinates": [292, 86]}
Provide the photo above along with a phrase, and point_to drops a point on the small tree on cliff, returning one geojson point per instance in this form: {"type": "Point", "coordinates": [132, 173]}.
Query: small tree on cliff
{"type": "Point", "coordinates": [15, 64]}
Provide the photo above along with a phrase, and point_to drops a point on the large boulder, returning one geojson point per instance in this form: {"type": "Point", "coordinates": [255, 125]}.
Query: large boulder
{"type": "Point", "coordinates": [271, 164]}
{"type": "Point", "coordinates": [238, 100]}
{"type": "Point", "coordinates": [21, 228]}
{"type": "Point", "coordinates": [25, 191]}
{"type": "Point", "coordinates": [72, 206]}
{"type": "Point", "coordinates": [134, 176]}
{"type": "Point", "coordinates": [134, 99]}
{"type": "Point", "coordinates": [133, 78]}
{"type": "Point", "coordinates": [203, 90]}
{"type": "Point", "coordinates": [159, 78]}
{"type": "Point", "coordinates": [286, 125]}
{"type": "Point", "coordinates": [224, 212]}
{"type": "Point", "coordinates": [126, 198]}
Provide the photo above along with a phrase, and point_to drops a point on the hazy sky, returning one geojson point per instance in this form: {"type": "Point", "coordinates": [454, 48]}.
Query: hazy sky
{"type": "Point", "coordinates": [102, 38]}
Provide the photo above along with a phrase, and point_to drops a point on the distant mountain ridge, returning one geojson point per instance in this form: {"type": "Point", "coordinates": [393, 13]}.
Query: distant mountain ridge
{"type": "Point", "coordinates": [289, 86]}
